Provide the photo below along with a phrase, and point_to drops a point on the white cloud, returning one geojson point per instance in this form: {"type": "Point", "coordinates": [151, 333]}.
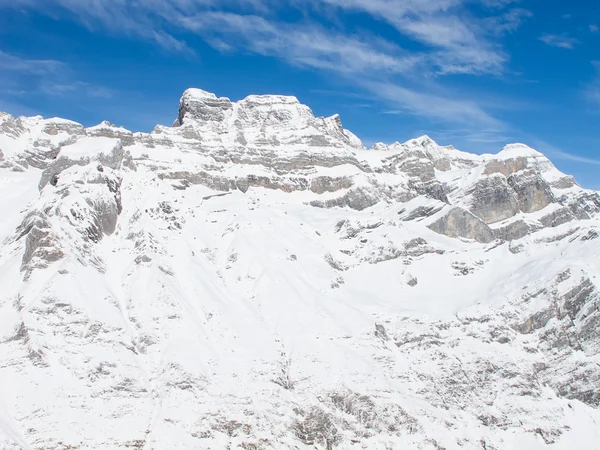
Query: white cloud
{"type": "Point", "coordinates": [20, 76]}
{"type": "Point", "coordinates": [554, 152]}
{"type": "Point", "coordinates": [126, 17]}
{"type": "Point", "coordinates": [459, 41]}
{"type": "Point", "coordinates": [455, 40]}
{"type": "Point", "coordinates": [594, 28]}
{"type": "Point", "coordinates": [14, 63]}
{"type": "Point", "coordinates": [555, 40]}
{"type": "Point", "coordinates": [508, 22]}
{"type": "Point", "coordinates": [573, 157]}
{"type": "Point", "coordinates": [443, 108]}
{"type": "Point", "coordinates": [447, 38]}
{"type": "Point", "coordinates": [303, 45]}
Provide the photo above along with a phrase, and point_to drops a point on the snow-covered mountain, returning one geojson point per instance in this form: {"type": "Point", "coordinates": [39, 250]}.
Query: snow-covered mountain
{"type": "Point", "coordinates": [254, 278]}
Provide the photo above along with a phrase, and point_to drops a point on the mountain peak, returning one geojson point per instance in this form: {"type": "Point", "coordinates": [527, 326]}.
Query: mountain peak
{"type": "Point", "coordinates": [269, 99]}
{"type": "Point", "coordinates": [518, 150]}
{"type": "Point", "coordinates": [199, 105]}
{"type": "Point", "coordinates": [424, 140]}
{"type": "Point", "coordinates": [196, 93]}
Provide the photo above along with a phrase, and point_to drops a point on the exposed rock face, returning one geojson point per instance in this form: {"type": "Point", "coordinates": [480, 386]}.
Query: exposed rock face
{"type": "Point", "coordinates": [254, 278]}
{"type": "Point", "coordinates": [199, 105]}
{"type": "Point", "coordinates": [519, 192]}
{"type": "Point", "coordinates": [583, 204]}
{"type": "Point", "coordinates": [569, 322]}
{"type": "Point", "coordinates": [514, 230]}
{"type": "Point", "coordinates": [40, 247]}
{"type": "Point", "coordinates": [105, 152]}
{"type": "Point", "coordinates": [493, 199]}
{"type": "Point", "coordinates": [34, 141]}
{"type": "Point", "coordinates": [108, 130]}
{"type": "Point", "coordinates": [461, 223]}
{"type": "Point", "coordinates": [81, 192]}
{"type": "Point", "coordinates": [279, 144]}
{"type": "Point", "coordinates": [506, 167]}
{"type": "Point", "coordinates": [532, 191]}
{"type": "Point", "coordinates": [558, 217]}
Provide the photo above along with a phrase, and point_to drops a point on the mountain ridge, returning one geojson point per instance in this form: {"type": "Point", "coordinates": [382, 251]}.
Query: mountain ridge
{"type": "Point", "coordinates": [255, 278]}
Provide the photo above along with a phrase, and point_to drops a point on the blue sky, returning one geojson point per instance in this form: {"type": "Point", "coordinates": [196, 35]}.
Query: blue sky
{"type": "Point", "coordinates": [473, 73]}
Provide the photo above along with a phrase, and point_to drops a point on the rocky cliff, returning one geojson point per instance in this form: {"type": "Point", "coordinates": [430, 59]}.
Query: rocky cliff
{"type": "Point", "coordinates": [253, 277]}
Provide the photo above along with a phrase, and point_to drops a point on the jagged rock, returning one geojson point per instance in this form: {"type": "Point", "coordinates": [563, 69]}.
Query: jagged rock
{"type": "Point", "coordinates": [165, 280]}
{"type": "Point", "coordinates": [418, 247]}
{"type": "Point", "coordinates": [558, 217]}
{"type": "Point", "coordinates": [106, 151]}
{"type": "Point", "coordinates": [565, 182]}
{"type": "Point", "coordinates": [585, 205]}
{"type": "Point", "coordinates": [197, 104]}
{"type": "Point", "coordinates": [320, 185]}
{"type": "Point", "coordinates": [216, 182]}
{"type": "Point", "coordinates": [493, 199]}
{"type": "Point", "coordinates": [420, 212]}
{"type": "Point", "coordinates": [567, 321]}
{"type": "Point", "coordinates": [41, 247]}
{"type": "Point", "coordinates": [506, 167]}
{"type": "Point", "coordinates": [357, 198]}
{"type": "Point", "coordinates": [533, 193]}
{"type": "Point", "coordinates": [460, 223]}
{"type": "Point", "coordinates": [53, 127]}
{"type": "Point", "coordinates": [108, 130]}
{"type": "Point", "coordinates": [514, 230]}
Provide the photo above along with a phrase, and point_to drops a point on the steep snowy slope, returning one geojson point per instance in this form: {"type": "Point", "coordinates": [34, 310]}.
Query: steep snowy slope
{"type": "Point", "coordinates": [254, 278]}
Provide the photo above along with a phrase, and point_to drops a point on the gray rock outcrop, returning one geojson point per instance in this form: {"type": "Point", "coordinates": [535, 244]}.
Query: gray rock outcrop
{"type": "Point", "coordinates": [458, 222]}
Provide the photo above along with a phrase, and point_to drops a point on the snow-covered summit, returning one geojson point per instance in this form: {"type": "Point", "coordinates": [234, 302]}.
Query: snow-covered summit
{"type": "Point", "coordinates": [255, 278]}
{"type": "Point", "coordinates": [270, 100]}
{"type": "Point", "coordinates": [511, 151]}
{"type": "Point", "coordinates": [198, 94]}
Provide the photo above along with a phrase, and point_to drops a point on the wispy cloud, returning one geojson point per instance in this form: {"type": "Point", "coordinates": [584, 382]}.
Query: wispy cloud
{"type": "Point", "coordinates": [131, 18]}
{"type": "Point", "coordinates": [21, 76]}
{"type": "Point", "coordinates": [16, 64]}
{"type": "Point", "coordinates": [458, 41]}
{"type": "Point", "coordinates": [58, 89]}
{"type": "Point", "coordinates": [447, 37]}
{"type": "Point", "coordinates": [304, 45]}
{"type": "Point", "coordinates": [594, 28]}
{"type": "Point", "coordinates": [561, 41]}
{"type": "Point", "coordinates": [453, 40]}
{"type": "Point", "coordinates": [441, 108]}
{"type": "Point", "coordinates": [552, 151]}
{"type": "Point", "coordinates": [573, 157]}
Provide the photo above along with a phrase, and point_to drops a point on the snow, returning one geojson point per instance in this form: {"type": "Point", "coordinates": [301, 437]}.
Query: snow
{"type": "Point", "coordinates": [270, 100]}
{"type": "Point", "coordinates": [19, 135]}
{"type": "Point", "coordinates": [170, 332]}
{"type": "Point", "coordinates": [198, 94]}
{"type": "Point", "coordinates": [88, 147]}
{"type": "Point", "coordinates": [105, 125]}
{"type": "Point", "coordinates": [511, 151]}
{"type": "Point", "coordinates": [19, 190]}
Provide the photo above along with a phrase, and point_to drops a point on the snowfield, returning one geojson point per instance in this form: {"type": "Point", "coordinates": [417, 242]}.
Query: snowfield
{"type": "Point", "coordinates": [254, 278]}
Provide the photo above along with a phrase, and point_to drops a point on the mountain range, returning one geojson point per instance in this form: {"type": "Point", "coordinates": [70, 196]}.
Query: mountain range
{"type": "Point", "coordinates": [254, 277]}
